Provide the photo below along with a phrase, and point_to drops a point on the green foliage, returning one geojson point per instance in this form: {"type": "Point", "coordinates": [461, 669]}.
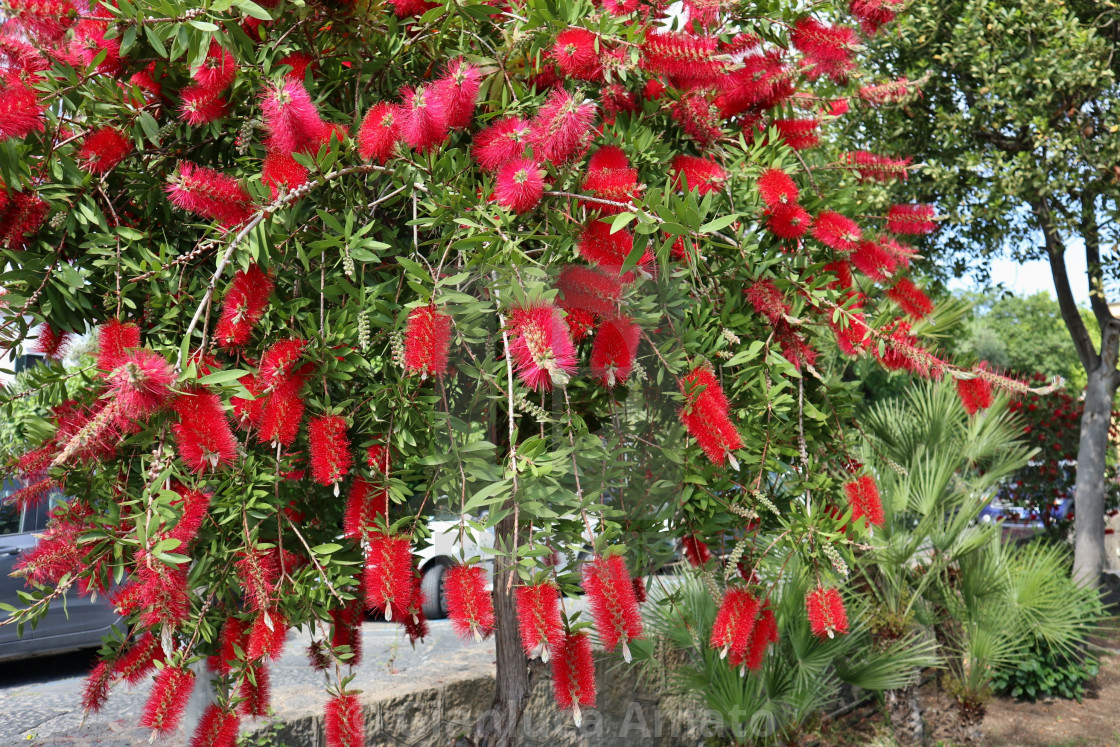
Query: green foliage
{"type": "Point", "coordinates": [1040, 673]}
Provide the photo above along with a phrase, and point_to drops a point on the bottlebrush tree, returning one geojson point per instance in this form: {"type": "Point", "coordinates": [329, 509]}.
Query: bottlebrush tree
{"type": "Point", "coordinates": [581, 274]}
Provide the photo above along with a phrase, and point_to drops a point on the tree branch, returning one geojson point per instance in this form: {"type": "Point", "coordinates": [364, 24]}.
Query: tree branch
{"type": "Point", "coordinates": [1056, 250]}
{"type": "Point", "coordinates": [1090, 231]}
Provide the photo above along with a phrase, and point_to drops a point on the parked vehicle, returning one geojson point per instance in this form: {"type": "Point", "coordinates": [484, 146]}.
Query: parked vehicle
{"type": "Point", "coordinates": [443, 552]}
{"type": "Point", "coordinates": [76, 624]}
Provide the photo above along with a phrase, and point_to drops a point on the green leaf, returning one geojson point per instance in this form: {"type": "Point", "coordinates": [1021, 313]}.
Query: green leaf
{"type": "Point", "coordinates": [252, 9]}
{"type": "Point", "coordinates": [223, 377]}
{"type": "Point", "coordinates": [720, 223]}
{"type": "Point", "coordinates": [326, 548]}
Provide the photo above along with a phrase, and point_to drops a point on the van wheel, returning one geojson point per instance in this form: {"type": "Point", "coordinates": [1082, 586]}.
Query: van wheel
{"type": "Point", "coordinates": [435, 595]}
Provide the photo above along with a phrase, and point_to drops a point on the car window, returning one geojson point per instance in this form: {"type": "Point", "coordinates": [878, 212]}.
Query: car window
{"type": "Point", "coordinates": [11, 518]}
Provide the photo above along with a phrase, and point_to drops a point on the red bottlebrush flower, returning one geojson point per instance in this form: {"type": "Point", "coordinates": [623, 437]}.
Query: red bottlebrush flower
{"type": "Point", "coordinates": [588, 289]}
{"type": "Point", "coordinates": [843, 273]}
{"type": "Point", "coordinates": [469, 606]}
{"type": "Point", "coordinates": [43, 20]}
{"type": "Point", "coordinates": [621, 7]}
{"type": "Point", "coordinates": [145, 81]}
{"type": "Point", "coordinates": [614, 607]}
{"type": "Point", "coordinates": [24, 216]}
{"type": "Point", "coordinates": [698, 118]}
{"type": "Point", "coordinates": [863, 495]}
{"type": "Point", "coordinates": [378, 136]}
{"type": "Point", "coordinates": [211, 194]}
{"type": "Point", "coordinates": [581, 324]}
{"type": "Point", "coordinates": [827, 49]}
{"type": "Point", "coordinates": [608, 158]}
{"type": "Point", "coordinates": [344, 722]}
{"type": "Point", "coordinates": [911, 298]}
{"type": "Point", "coordinates": [20, 110]}
{"type": "Point", "coordinates": [203, 436]}
{"type": "Point", "coordinates": [254, 691]}
{"type": "Point", "coordinates": [538, 612]}
{"type": "Point", "coordinates": [291, 118]}
{"type": "Point", "coordinates": [788, 221]}
{"type": "Point", "coordinates": [217, 70]}
{"type": "Point", "coordinates": [379, 458]}
{"type": "Point", "coordinates": [90, 39]}
{"type": "Point", "coordinates": [640, 589]}
{"type": "Point", "coordinates": [608, 251]}
{"type": "Point", "coordinates": [31, 495]}
{"type": "Point", "coordinates": [703, 12]}
{"type": "Point", "coordinates": [114, 340]}
{"type": "Point", "coordinates": [573, 674]}
{"type": "Point", "coordinates": [915, 220]}
{"type": "Point", "coordinates": [34, 464]}
{"type": "Point", "coordinates": [873, 261]}
{"type": "Point", "coordinates": [217, 728]}
{"type": "Point", "coordinates": [141, 384]}
{"type": "Point", "coordinates": [140, 659]}
{"type": "Point", "coordinates": [798, 134]}
{"type": "Point", "coordinates": [904, 352]}
{"type": "Point", "coordinates": [406, 8]}
{"type": "Point", "coordinates": [103, 149]}
{"type": "Point", "coordinates": [853, 338]}
{"type": "Point", "coordinates": [519, 185]}
{"type": "Point", "coordinates": [873, 14]}
{"type": "Point", "coordinates": [885, 93]}
{"type": "Point", "coordinates": [975, 393]}
{"type": "Point", "coordinates": [836, 231]}
{"type": "Point", "coordinates": [364, 505]}
{"type": "Point", "coordinates": [426, 341]}
{"type": "Point", "coordinates": [561, 130]}
{"type": "Point", "coordinates": [688, 60]}
{"type": "Point", "coordinates": [52, 342]}
{"type": "Point", "coordinates": [610, 177]}
{"type": "Point", "coordinates": [457, 91]}
{"type": "Point", "coordinates": [541, 346]}
{"type": "Point", "coordinates": [705, 415]}
{"type": "Point", "coordinates": [768, 301]}
{"type": "Point", "coordinates": [873, 167]}
{"type": "Point", "coordinates": [278, 362]}
{"type": "Point", "coordinates": [615, 98]}
{"type": "Point", "coordinates": [330, 450]}
{"type": "Point", "coordinates": [776, 187]}
{"type": "Point", "coordinates": [696, 551]}
{"type": "Point", "coordinates": [267, 635]}
{"type": "Point", "coordinates": [199, 106]}
{"type": "Point", "coordinates": [388, 575]}
{"type": "Point", "coordinates": [614, 349]}
{"type": "Point", "coordinates": [247, 412]}
{"type": "Point", "coordinates": [258, 572]}
{"type": "Point", "coordinates": [500, 142]}
{"type": "Point", "coordinates": [281, 413]}
{"type": "Point", "coordinates": [233, 637]}
{"type": "Point", "coordinates": [699, 173]}
{"type": "Point", "coordinates": [423, 119]}
{"type": "Point", "coordinates": [734, 625]}
{"type": "Point", "coordinates": [157, 593]}
{"type": "Point", "coordinates": [245, 303]}
{"type": "Point", "coordinates": [763, 82]}
{"type": "Point", "coordinates": [282, 173]}
{"type": "Point", "coordinates": [654, 89]}
{"type": "Point", "coordinates": [575, 55]}
{"type": "Point", "coordinates": [299, 62]}
{"type": "Point", "coordinates": [765, 632]}
{"type": "Point", "coordinates": [96, 690]}
{"type": "Point", "coordinates": [415, 624]}
{"type": "Point", "coordinates": [170, 693]}
{"type": "Point", "coordinates": [826, 612]}
{"type": "Point", "coordinates": [346, 629]}
{"type": "Point", "coordinates": [900, 254]}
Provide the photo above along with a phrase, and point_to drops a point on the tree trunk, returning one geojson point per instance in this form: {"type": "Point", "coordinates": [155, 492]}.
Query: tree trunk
{"type": "Point", "coordinates": [1088, 547]}
{"type": "Point", "coordinates": [906, 716]}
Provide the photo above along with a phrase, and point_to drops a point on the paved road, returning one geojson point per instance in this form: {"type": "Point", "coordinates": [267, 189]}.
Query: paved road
{"type": "Point", "coordinates": [40, 698]}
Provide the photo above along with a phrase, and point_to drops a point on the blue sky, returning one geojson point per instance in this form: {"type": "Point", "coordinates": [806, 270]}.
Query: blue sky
{"type": "Point", "coordinates": [1029, 278]}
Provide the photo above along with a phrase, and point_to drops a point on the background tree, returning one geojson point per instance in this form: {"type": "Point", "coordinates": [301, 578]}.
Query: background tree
{"type": "Point", "coordinates": [1015, 128]}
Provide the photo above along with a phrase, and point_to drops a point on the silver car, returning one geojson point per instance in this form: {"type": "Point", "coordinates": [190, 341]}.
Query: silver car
{"type": "Point", "coordinates": [80, 623]}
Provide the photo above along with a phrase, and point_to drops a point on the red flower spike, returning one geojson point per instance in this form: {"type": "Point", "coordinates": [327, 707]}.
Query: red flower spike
{"type": "Point", "coordinates": [607, 250]}
{"type": "Point", "coordinates": [203, 436]}
{"type": "Point", "coordinates": [96, 690]}
{"type": "Point", "coordinates": [254, 691]}
{"type": "Point", "coordinates": [280, 173]}
{"type": "Point", "coordinates": [876, 168]}
{"type": "Point", "coordinates": [500, 142]}
{"type": "Point", "coordinates": [291, 118]}
{"type": "Point", "coordinates": [640, 589]}
{"type": "Point", "coordinates": [696, 551]}
{"type": "Point", "coordinates": [279, 361]}
{"type": "Point", "coordinates": [765, 633]}
{"type": "Point", "coordinates": [365, 504]}
{"type": "Point", "coordinates": [193, 506]}
{"type": "Point", "coordinates": [168, 700]}
{"type": "Point", "coordinates": [217, 728]}
{"type": "Point", "coordinates": [873, 14]}
{"type": "Point", "coordinates": [763, 82]}
{"type": "Point", "coordinates": [734, 626]}
{"type": "Point", "coordinates": [836, 231]}
{"type": "Point", "coordinates": [799, 134]}
{"type": "Point", "coordinates": [561, 131]}
{"type": "Point", "coordinates": [406, 8]}
{"type": "Point", "coordinates": [281, 413]}
{"type": "Point", "coordinates": [699, 173]}
{"type": "Point", "coordinates": [575, 55]}
{"type": "Point", "coordinates": [469, 605]}
{"type": "Point", "coordinates": [388, 575]}
{"type": "Point", "coordinates": [299, 62]}
{"type": "Point", "coordinates": [768, 301]}
{"type": "Point", "coordinates": [457, 92]}
{"type": "Point", "coordinates": [699, 119]}
{"type": "Point", "coordinates": [22, 219]}
{"type": "Point", "coordinates": [873, 261]}
{"type": "Point", "coordinates": [788, 221]}
{"type": "Point", "coordinates": [911, 298]}
{"type": "Point", "coordinates": [573, 674]}
{"type": "Point", "coordinates": [827, 49]}
{"type": "Point", "coordinates": [826, 612]}
{"type": "Point", "coordinates": [776, 187]}
{"type": "Point", "coordinates": [614, 350]}
{"type": "Point", "coordinates": [541, 346]}
{"type": "Point", "coordinates": [330, 450]}
{"type": "Point", "coordinates": [614, 607]}
{"type": "Point", "coordinates": [423, 119]}
{"type": "Point", "coordinates": [863, 495]}
{"type": "Point", "coordinates": [705, 416]}
{"type": "Point", "coordinates": [267, 635]}
{"type": "Point", "coordinates": [232, 638]}
{"type": "Point", "coordinates": [245, 303]}
{"type": "Point", "coordinates": [217, 70]}
{"type": "Point", "coordinates": [102, 150]}
{"type": "Point", "coordinates": [975, 393]}
{"type": "Point", "coordinates": [519, 185]}
{"type": "Point", "coordinates": [889, 92]}
{"type": "Point", "coordinates": [621, 7]}
{"type": "Point", "coordinates": [141, 384]}
{"type": "Point", "coordinates": [258, 572]}
{"type": "Point", "coordinates": [378, 136]}
{"type": "Point", "coordinates": [588, 289]}
{"type": "Point", "coordinates": [211, 194]}
{"type": "Point", "coordinates": [20, 110]}
{"type": "Point", "coordinates": [344, 722]}
{"type": "Point", "coordinates": [199, 106]}
{"type": "Point", "coordinates": [538, 612]}
{"type": "Point", "coordinates": [52, 342]}
{"type": "Point", "coordinates": [688, 60]}
{"type": "Point", "coordinates": [346, 629]}
{"type": "Point", "coordinates": [915, 220]}
{"type": "Point", "coordinates": [415, 624]}
{"type": "Point", "coordinates": [140, 659]}
{"type": "Point", "coordinates": [427, 339]}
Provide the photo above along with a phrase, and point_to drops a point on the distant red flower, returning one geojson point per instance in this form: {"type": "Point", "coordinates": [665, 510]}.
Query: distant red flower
{"type": "Point", "coordinates": [267, 635]}
{"type": "Point", "coordinates": [696, 551]}
{"type": "Point", "coordinates": [540, 345]}
{"type": "Point", "coordinates": [698, 117]}
{"type": "Point", "coordinates": [836, 231]}
{"type": "Point", "coordinates": [573, 674]}
{"type": "Point", "coordinates": [874, 167]}
{"type": "Point", "coordinates": [426, 340]}
{"type": "Point", "coordinates": [364, 505]}
{"type": "Point", "coordinates": [863, 495]}
{"type": "Point", "coordinates": [469, 606]}
{"type": "Point", "coordinates": [406, 8]}
{"type": "Point", "coordinates": [388, 575]}
{"type": "Point", "coordinates": [700, 174]}
{"type": "Point", "coordinates": [798, 134]}
{"type": "Point", "coordinates": [52, 342]}
{"type": "Point", "coordinates": [254, 691]}
{"type": "Point", "coordinates": [422, 118]}
{"type": "Point", "coordinates": [20, 110]}
{"type": "Point", "coordinates": [209, 193]}
{"type": "Point", "coordinates": [378, 136]}
{"type": "Point", "coordinates": [885, 93]}
{"type": "Point", "coordinates": [519, 185]}
{"type": "Point", "coordinates": [826, 612]}
{"type": "Point", "coordinates": [299, 62]}
{"type": "Point", "coordinates": [23, 218]}
{"type": "Point", "coordinates": [873, 14]}
{"type": "Point", "coordinates": [346, 629]}
{"type": "Point", "coordinates": [610, 177]}
{"type": "Point", "coordinates": [561, 130]}
{"type": "Point", "coordinates": [706, 415]}
{"type": "Point", "coordinates": [415, 624]}
{"type": "Point", "coordinates": [575, 55]}
{"type": "Point", "coordinates": [911, 219]}
{"type": "Point", "coordinates": [911, 298]}
{"type": "Point", "coordinates": [614, 607]}
{"type": "Point", "coordinates": [538, 612]}
{"type": "Point", "coordinates": [96, 689]}
{"type": "Point", "coordinates": [588, 289]}
{"type": "Point", "coordinates": [103, 149]}
{"type": "Point", "coordinates": [975, 393]}
{"type": "Point", "coordinates": [168, 700]}
{"type": "Point", "coordinates": [614, 349]}
{"type": "Point", "coordinates": [689, 60]}
{"type": "Point", "coordinates": [827, 49]}
{"type": "Point", "coordinates": [280, 172]}
{"type": "Point", "coordinates": [217, 728]}
{"type": "Point", "coordinates": [502, 141]}
{"type": "Point", "coordinates": [768, 301]}
{"type": "Point", "coordinates": [141, 384]}
{"type": "Point", "coordinates": [873, 261]}
{"type": "Point", "coordinates": [344, 722]}
{"type": "Point", "coordinates": [457, 92]}
{"type": "Point", "coordinates": [233, 636]}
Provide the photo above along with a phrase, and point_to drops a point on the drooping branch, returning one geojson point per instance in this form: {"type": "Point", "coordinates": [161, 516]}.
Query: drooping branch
{"type": "Point", "coordinates": [1090, 232]}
